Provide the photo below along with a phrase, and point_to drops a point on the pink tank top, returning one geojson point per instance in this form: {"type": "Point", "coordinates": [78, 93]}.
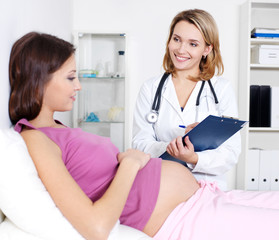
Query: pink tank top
{"type": "Point", "coordinates": [92, 162]}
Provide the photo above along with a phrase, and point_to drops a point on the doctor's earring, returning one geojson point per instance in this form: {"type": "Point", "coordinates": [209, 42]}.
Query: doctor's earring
{"type": "Point", "coordinates": [204, 56]}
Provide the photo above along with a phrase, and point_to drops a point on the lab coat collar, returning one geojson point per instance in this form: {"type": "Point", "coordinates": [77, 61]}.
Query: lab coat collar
{"type": "Point", "coordinates": [193, 97]}
{"type": "Point", "coordinates": [169, 95]}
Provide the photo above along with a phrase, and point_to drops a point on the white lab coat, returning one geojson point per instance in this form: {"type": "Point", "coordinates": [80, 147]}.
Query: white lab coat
{"type": "Point", "coordinates": [154, 138]}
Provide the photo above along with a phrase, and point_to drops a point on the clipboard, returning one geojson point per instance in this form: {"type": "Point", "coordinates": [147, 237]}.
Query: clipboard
{"type": "Point", "coordinates": [211, 133]}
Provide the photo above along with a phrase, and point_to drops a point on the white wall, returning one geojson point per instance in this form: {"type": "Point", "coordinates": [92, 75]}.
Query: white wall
{"type": "Point", "coordinates": [147, 23]}
{"type": "Point", "coordinates": [18, 17]}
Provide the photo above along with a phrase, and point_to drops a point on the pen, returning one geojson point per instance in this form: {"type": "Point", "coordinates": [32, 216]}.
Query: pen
{"type": "Point", "coordinates": [182, 126]}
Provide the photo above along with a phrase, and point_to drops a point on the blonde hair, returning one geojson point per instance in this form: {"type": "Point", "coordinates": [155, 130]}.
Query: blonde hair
{"type": "Point", "coordinates": [209, 31]}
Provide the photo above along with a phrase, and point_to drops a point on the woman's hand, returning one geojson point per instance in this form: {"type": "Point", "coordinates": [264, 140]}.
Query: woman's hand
{"type": "Point", "coordinates": [187, 153]}
{"type": "Point", "coordinates": [135, 155]}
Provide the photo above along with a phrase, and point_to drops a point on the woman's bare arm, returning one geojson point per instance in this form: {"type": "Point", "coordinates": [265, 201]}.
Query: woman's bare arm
{"type": "Point", "coordinates": [92, 220]}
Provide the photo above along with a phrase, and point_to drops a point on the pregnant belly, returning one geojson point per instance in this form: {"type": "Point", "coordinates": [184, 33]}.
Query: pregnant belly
{"type": "Point", "coordinates": [177, 185]}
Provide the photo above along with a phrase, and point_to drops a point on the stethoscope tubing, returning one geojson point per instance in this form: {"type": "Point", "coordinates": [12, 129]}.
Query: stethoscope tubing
{"type": "Point", "coordinates": [153, 115]}
{"type": "Point", "coordinates": [157, 99]}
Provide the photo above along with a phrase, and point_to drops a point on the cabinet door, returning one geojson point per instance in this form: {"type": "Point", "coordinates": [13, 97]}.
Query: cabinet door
{"type": "Point", "coordinates": [100, 108]}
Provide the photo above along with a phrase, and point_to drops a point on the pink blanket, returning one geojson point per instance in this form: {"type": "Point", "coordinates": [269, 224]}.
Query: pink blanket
{"type": "Point", "coordinates": [215, 215]}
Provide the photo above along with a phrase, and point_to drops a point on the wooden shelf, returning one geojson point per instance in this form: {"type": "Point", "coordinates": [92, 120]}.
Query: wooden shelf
{"type": "Point", "coordinates": [263, 129]}
{"type": "Point", "coordinates": [263, 66]}
{"type": "Point", "coordinates": [268, 41]}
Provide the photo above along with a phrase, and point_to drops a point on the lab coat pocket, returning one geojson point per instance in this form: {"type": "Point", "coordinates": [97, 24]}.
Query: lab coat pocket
{"type": "Point", "coordinates": [168, 129]}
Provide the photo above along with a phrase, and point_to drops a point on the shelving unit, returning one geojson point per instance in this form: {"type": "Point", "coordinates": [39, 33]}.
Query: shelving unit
{"type": "Point", "coordinates": [100, 106]}
{"type": "Point", "coordinates": [261, 14]}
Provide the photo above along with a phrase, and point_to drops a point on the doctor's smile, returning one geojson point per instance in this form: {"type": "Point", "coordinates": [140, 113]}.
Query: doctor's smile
{"type": "Point", "coordinates": [181, 59]}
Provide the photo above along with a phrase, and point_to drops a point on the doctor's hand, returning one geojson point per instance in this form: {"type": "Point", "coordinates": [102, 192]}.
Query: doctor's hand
{"type": "Point", "coordinates": [186, 154]}
{"type": "Point", "coordinates": [190, 127]}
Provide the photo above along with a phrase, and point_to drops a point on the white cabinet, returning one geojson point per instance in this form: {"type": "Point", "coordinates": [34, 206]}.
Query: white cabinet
{"type": "Point", "coordinates": [100, 106]}
{"type": "Point", "coordinates": [255, 14]}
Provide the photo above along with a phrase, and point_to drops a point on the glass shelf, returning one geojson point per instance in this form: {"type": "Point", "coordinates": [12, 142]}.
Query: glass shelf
{"type": "Point", "coordinates": [101, 122]}
{"type": "Point", "coordinates": [101, 78]}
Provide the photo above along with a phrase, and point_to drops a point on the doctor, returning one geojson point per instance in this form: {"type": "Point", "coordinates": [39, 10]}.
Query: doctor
{"type": "Point", "coordinates": [164, 112]}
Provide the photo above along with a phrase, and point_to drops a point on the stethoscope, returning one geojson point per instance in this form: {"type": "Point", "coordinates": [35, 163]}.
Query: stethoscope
{"type": "Point", "coordinates": [152, 117]}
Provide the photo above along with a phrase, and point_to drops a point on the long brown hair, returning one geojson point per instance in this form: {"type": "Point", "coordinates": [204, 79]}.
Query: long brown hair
{"type": "Point", "coordinates": [208, 28]}
{"type": "Point", "coordinates": [33, 59]}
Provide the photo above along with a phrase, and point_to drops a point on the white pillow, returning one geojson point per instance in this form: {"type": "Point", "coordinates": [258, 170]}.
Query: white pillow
{"type": "Point", "coordinates": [8, 231]}
{"type": "Point", "coordinates": [30, 212]}
{"type": "Point", "coordinates": [24, 199]}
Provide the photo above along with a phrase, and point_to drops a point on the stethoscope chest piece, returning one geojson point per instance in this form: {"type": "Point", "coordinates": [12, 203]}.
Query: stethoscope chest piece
{"type": "Point", "coordinates": [152, 117]}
